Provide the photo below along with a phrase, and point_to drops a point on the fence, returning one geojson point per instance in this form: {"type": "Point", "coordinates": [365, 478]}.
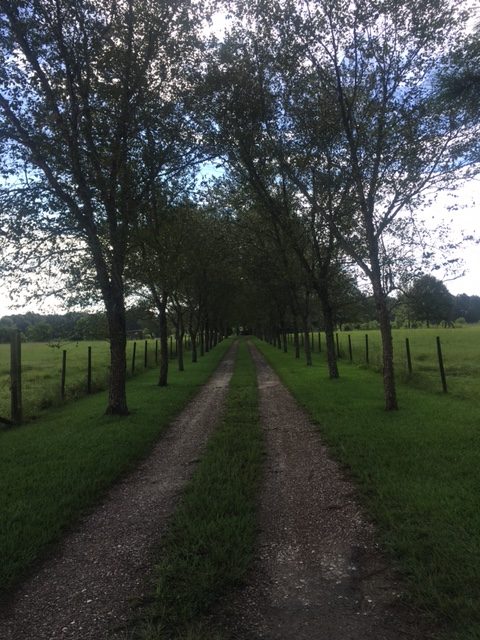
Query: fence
{"type": "Point", "coordinates": [434, 359]}
{"type": "Point", "coordinates": [47, 375]}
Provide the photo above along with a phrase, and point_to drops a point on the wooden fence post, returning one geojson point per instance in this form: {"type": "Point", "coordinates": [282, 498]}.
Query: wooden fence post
{"type": "Point", "coordinates": [156, 351]}
{"type": "Point", "coordinates": [350, 354]}
{"type": "Point", "coordinates": [145, 355]}
{"type": "Point", "coordinates": [89, 370]}
{"type": "Point", "coordinates": [133, 357]}
{"type": "Point", "coordinates": [64, 374]}
{"type": "Point", "coordinates": [441, 367]}
{"type": "Point", "coordinates": [319, 342]}
{"type": "Point", "coordinates": [409, 357]}
{"type": "Point", "coordinates": [16, 377]}
{"type": "Point", "coordinates": [367, 355]}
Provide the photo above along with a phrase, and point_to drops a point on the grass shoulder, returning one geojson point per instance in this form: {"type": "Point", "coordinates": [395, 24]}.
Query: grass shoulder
{"type": "Point", "coordinates": [417, 471]}
{"type": "Point", "coordinates": [56, 467]}
{"type": "Point", "coordinates": [209, 545]}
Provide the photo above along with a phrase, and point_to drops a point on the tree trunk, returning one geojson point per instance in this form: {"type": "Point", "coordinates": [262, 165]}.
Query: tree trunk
{"type": "Point", "coordinates": [193, 338]}
{"type": "Point", "coordinates": [387, 352]}
{"type": "Point", "coordinates": [117, 395]}
{"type": "Point", "coordinates": [306, 343]}
{"type": "Point", "coordinates": [162, 314]}
{"type": "Point", "coordinates": [202, 341]}
{"type": "Point", "coordinates": [385, 327]}
{"type": "Point", "coordinates": [285, 344]}
{"type": "Point", "coordinates": [296, 341]}
{"type": "Point", "coordinates": [327, 312]}
{"type": "Point", "coordinates": [181, 335]}
{"type": "Point", "coordinates": [207, 336]}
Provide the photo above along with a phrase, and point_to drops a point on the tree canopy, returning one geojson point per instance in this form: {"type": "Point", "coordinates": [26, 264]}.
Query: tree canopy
{"type": "Point", "coordinates": [251, 177]}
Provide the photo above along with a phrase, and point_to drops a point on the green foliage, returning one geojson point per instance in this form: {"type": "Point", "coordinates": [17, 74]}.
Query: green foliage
{"type": "Point", "coordinates": [91, 326]}
{"type": "Point", "coordinates": [209, 545]}
{"type": "Point", "coordinates": [6, 328]}
{"type": "Point", "coordinates": [467, 307]}
{"type": "Point", "coordinates": [40, 332]}
{"type": "Point", "coordinates": [417, 471]}
{"type": "Point", "coordinates": [459, 81]}
{"type": "Point", "coordinates": [429, 300]}
{"type": "Point", "coordinates": [57, 467]}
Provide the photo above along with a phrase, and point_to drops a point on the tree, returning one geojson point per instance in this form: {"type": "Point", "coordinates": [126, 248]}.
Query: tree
{"type": "Point", "coordinates": [277, 292]}
{"type": "Point", "coordinates": [467, 307]}
{"type": "Point", "coordinates": [248, 130]}
{"type": "Point", "coordinates": [7, 327]}
{"type": "Point", "coordinates": [363, 72]}
{"type": "Point", "coordinates": [183, 260]}
{"type": "Point", "coordinates": [86, 90]}
{"type": "Point", "coordinates": [92, 326]}
{"type": "Point", "coordinates": [40, 332]}
{"type": "Point", "coordinates": [429, 301]}
{"type": "Point", "coordinates": [459, 81]}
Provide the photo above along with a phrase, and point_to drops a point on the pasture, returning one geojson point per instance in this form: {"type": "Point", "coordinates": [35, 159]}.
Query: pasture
{"type": "Point", "coordinates": [42, 367]}
{"type": "Point", "coordinates": [460, 348]}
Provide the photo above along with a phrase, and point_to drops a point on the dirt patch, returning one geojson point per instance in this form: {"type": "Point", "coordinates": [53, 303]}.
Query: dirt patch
{"type": "Point", "coordinates": [85, 589]}
{"type": "Point", "coordinates": [318, 572]}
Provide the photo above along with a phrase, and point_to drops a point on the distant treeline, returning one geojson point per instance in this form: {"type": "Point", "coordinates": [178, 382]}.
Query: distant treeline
{"type": "Point", "coordinates": [467, 307]}
{"type": "Point", "coordinates": [427, 302]}
{"type": "Point", "coordinates": [74, 326]}
{"type": "Point", "coordinates": [357, 312]}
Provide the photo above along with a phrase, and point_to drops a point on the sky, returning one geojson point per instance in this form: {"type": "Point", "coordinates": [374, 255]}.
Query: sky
{"type": "Point", "coordinates": [463, 222]}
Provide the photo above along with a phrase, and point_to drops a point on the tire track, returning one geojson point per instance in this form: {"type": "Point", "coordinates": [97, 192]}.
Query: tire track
{"type": "Point", "coordinates": [84, 590]}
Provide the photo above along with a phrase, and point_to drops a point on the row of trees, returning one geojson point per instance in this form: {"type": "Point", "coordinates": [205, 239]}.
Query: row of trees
{"type": "Point", "coordinates": [427, 301]}
{"type": "Point", "coordinates": [327, 120]}
{"type": "Point", "coordinates": [323, 118]}
{"type": "Point", "coordinates": [98, 143]}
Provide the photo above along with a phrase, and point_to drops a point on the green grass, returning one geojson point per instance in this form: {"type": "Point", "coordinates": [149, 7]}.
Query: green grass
{"type": "Point", "coordinates": [209, 545]}
{"type": "Point", "coordinates": [61, 464]}
{"type": "Point", "coordinates": [460, 348]}
{"type": "Point", "coordinates": [42, 366]}
{"type": "Point", "coordinates": [417, 470]}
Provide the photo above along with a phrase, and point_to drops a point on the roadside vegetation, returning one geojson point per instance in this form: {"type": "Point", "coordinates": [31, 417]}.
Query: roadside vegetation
{"type": "Point", "coordinates": [417, 473]}
{"type": "Point", "coordinates": [60, 465]}
{"type": "Point", "coordinates": [209, 545]}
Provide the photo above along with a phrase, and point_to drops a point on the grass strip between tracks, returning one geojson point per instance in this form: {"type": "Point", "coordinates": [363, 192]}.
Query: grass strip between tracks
{"type": "Point", "coordinates": [417, 471]}
{"type": "Point", "coordinates": [56, 467]}
{"type": "Point", "coordinates": [209, 545]}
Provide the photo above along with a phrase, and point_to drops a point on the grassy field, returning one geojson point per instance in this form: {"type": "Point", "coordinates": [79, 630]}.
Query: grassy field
{"type": "Point", "coordinates": [42, 366]}
{"type": "Point", "coordinates": [417, 471]}
{"type": "Point", "coordinates": [209, 545]}
{"type": "Point", "coordinates": [460, 347]}
{"type": "Point", "coordinates": [58, 466]}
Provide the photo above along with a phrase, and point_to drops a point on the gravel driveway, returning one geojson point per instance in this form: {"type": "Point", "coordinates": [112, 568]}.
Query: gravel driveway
{"type": "Point", "coordinates": [84, 590]}
{"type": "Point", "coordinates": [318, 572]}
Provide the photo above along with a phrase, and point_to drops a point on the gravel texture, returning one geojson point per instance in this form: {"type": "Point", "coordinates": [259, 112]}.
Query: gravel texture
{"type": "Point", "coordinates": [318, 572]}
{"type": "Point", "coordinates": [84, 590]}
